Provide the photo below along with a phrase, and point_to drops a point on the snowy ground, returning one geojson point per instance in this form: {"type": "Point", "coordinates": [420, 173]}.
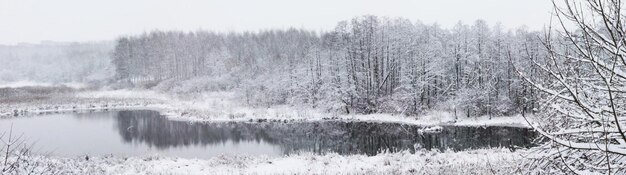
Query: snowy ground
{"type": "Point", "coordinates": [19, 84]}
{"type": "Point", "coordinates": [486, 161]}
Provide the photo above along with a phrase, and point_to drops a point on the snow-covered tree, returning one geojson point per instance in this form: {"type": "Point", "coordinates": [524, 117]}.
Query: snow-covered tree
{"type": "Point", "coordinates": [583, 91]}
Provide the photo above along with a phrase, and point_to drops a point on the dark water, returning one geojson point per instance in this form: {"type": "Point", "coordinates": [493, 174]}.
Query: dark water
{"type": "Point", "coordinates": [141, 133]}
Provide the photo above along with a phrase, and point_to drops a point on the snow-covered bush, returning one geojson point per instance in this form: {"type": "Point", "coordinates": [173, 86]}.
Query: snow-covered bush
{"type": "Point", "coordinates": [16, 157]}
{"type": "Point", "coordinates": [196, 84]}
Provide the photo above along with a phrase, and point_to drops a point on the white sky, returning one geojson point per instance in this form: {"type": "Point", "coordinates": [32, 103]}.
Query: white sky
{"type": "Point", "coordinates": [86, 20]}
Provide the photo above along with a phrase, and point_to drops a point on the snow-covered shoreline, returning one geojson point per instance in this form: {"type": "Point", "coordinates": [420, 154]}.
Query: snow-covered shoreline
{"type": "Point", "coordinates": [222, 107]}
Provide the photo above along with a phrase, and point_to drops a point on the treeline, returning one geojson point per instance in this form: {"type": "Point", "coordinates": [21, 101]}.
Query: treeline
{"type": "Point", "coordinates": [365, 65]}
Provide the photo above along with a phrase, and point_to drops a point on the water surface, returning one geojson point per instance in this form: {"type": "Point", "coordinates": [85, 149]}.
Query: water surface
{"type": "Point", "coordinates": [142, 133]}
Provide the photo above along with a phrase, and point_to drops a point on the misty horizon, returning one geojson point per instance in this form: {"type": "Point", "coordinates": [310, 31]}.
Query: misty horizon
{"type": "Point", "coordinates": [92, 21]}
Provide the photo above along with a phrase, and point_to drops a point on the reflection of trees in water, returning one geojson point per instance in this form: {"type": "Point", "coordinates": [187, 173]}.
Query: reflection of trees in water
{"type": "Point", "coordinates": [319, 137]}
{"type": "Point", "coordinates": [151, 128]}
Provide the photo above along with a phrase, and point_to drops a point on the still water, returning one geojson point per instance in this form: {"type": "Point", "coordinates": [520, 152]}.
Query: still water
{"type": "Point", "coordinates": [145, 133]}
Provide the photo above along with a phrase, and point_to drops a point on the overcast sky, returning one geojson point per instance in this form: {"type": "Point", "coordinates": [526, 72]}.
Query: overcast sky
{"type": "Point", "coordinates": [87, 20]}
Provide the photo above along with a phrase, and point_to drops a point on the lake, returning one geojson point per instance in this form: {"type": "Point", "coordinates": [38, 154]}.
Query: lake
{"type": "Point", "coordinates": [147, 133]}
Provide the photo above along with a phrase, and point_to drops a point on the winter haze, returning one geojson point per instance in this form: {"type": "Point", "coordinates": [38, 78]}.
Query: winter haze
{"type": "Point", "coordinates": [32, 21]}
{"type": "Point", "coordinates": [312, 87]}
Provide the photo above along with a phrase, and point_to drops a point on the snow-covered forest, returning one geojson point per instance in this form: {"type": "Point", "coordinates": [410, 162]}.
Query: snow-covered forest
{"type": "Point", "coordinates": [368, 64]}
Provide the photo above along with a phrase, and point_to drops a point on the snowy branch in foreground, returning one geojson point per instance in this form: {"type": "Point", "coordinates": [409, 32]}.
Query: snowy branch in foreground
{"type": "Point", "coordinates": [584, 108]}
